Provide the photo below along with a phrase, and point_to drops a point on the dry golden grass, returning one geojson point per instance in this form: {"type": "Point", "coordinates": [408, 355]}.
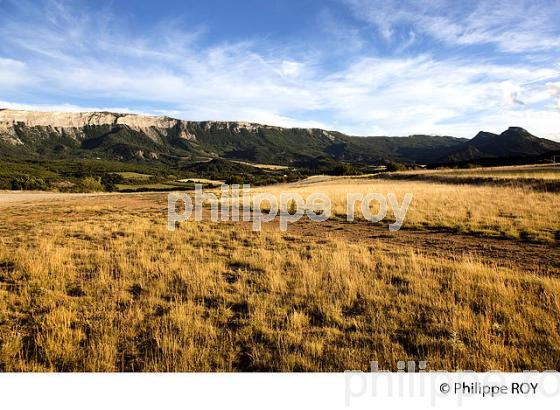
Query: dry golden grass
{"type": "Point", "coordinates": [508, 212]}
{"type": "Point", "coordinates": [544, 172]}
{"type": "Point", "coordinates": [95, 287]}
{"type": "Point", "coordinates": [202, 181]}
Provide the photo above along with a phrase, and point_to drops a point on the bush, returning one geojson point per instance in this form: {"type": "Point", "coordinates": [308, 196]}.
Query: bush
{"type": "Point", "coordinates": [109, 181]}
{"type": "Point", "coordinates": [235, 179]}
{"type": "Point", "coordinates": [28, 183]}
{"type": "Point", "coordinates": [395, 166]}
{"type": "Point", "coordinates": [293, 177]}
{"type": "Point", "coordinates": [344, 169]}
{"type": "Point", "coordinates": [90, 184]}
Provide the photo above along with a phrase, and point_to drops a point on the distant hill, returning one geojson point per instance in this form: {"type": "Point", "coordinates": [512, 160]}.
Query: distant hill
{"type": "Point", "coordinates": [513, 143]}
{"type": "Point", "coordinates": [137, 138]}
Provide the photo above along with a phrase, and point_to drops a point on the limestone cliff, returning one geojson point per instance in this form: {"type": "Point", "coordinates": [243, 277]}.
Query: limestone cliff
{"type": "Point", "coordinates": [73, 122]}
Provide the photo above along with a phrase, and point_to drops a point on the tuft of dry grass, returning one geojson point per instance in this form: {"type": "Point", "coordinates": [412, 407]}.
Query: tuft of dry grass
{"type": "Point", "coordinates": [95, 287]}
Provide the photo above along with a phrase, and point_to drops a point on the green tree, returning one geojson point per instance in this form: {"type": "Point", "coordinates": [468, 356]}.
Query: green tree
{"type": "Point", "coordinates": [395, 166]}
{"type": "Point", "coordinates": [235, 179]}
{"type": "Point", "coordinates": [109, 181]}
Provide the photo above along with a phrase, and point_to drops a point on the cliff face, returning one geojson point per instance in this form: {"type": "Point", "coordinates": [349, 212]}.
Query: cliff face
{"type": "Point", "coordinates": [72, 123]}
{"type": "Point", "coordinates": [126, 136]}
{"type": "Point", "coordinates": [69, 120]}
{"type": "Point", "coordinates": [81, 119]}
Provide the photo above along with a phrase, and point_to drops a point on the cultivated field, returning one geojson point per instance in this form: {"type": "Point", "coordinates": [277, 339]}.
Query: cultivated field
{"type": "Point", "coordinates": [98, 283]}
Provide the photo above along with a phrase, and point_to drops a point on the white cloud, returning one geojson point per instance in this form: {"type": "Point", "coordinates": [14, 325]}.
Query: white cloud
{"type": "Point", "coordinates": [12, 73]}
{"type": "Point", "coordinates": [339, 37]}
{"type": "Point", "coordinates": [554, 89]}
{"type": "Point", "coordinates": [400, 96]}
{"type": "Point", "coordinates": [510, 94]}
{"type": "Point", "coordinates": [514, 26]}
{"type": "Point", "coordinates": [290, 68]}
{"type": "Point", "coordinates": [68, 108]}
{"type": "Point", "coordinates": [161, 73]}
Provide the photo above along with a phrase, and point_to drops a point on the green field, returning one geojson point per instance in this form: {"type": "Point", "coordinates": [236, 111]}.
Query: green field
{"type": "Point", "coordinates": [134, 175]}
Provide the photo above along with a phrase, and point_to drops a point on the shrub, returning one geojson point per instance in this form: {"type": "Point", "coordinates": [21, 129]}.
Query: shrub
{"type": "Point", "coordinates": [109, 181]}
{"type": "Point", "coordinates": [235, 179]}
{"type": "Point", "coordinates": [28, 183]}
{"type": "Point", "coordinates": [293, 177]}
{"type": "Point", "coordinates": [395, 166]}
{"type": "Point", "coordinates": [90, 184]}
{"type": "Point", "coordinates": [344, 169]}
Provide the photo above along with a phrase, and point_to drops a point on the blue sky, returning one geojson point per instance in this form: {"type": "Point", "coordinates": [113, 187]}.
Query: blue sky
{"type": "Point", "coordinates": [364, 67]}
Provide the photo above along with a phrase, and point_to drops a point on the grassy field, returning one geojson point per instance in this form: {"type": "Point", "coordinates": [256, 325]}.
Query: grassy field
{"type": "Point", "coordinates": [507, 212]}
{"type": "Point", "coordinates": [155, 186]}
{"type": "Point", "coordinates": [546, 172]}
{"type": "Point", "coordinates": [542, 178]}
{"type": "Point", "coordinates": [134, 175]}
{"type": "Point", "coordinates": [100, 284]}
{"type": "Point", "coordinates": [264, 166]}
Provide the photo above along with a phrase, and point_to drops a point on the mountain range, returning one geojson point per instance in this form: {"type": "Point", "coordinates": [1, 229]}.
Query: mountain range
{"type": "Point", "coordinates": [132, 137]}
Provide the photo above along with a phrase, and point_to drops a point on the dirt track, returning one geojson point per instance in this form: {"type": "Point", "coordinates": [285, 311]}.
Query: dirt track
{"type": "Point", "coordinates": [13, 197]}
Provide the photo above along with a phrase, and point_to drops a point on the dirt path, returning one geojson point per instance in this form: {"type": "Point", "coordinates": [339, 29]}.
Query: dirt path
{"type": "Point", "coordinates": [10, 198]}
{"type": "Point", "coordinates": [17, 198]}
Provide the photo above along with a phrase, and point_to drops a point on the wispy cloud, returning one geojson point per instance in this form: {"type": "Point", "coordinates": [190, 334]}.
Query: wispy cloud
{"type": "Point", "coordinates": [76, 58]}
{"type": "Point", "coordinates": [554, 90]}
{"type": "Point", "coordinates": [514, 26]}
{"type": "Point", "coordinates": [12, 73]}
